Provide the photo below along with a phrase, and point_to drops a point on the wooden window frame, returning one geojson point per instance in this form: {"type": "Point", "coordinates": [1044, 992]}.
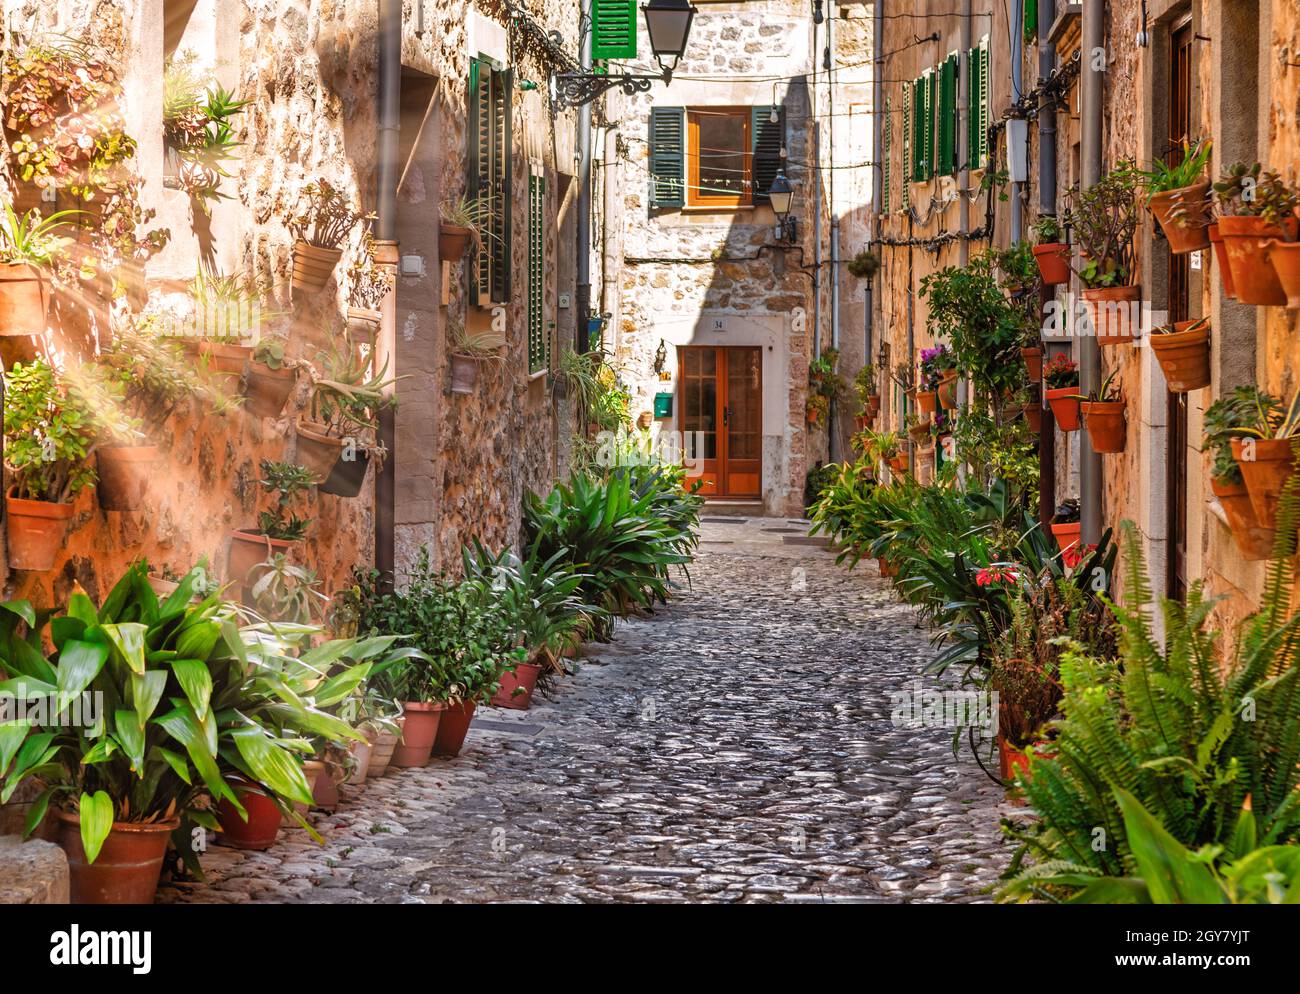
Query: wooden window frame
{"type": "Point", "coordinates": [694, 196]}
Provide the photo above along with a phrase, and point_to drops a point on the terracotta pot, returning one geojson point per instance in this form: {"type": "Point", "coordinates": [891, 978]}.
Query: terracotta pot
{"type": "Point", "coordinates": [1067, 535]}
{"type": "Point", "coordinates": [886, 568]}
{"type": "Point", "coordinates": [381, 756]}
{"type": "Point", "coordinates": [1184, 356]}
{"type": "Point", "coordinates": [313, 770]}
{"type": "Point", "coordinates": [363, 324]}
{"type": "Point", "coordinates": [1254, 541]}
{"type": "Point", "coordinates": [162, 588]}
{"type": "Point", "coordinates": [325, 793]}
{"type": "Point", "coordinates": [453, 242]}
{"type": "Point", "coordinates": [317, 450]}
{"type": "Point", "coordinates": [453, 729]}
{"type": "Point", "coordinates": [418, 734]}
{"type": "Point", "coordinates": [267, 389]}
{"type": "Point", "coordinates": [1107, 430]}
{"type": "Point", "coordinates": [24, 299]}
{"type": "Point", "coordinates": [224, 359]}
{"type": "Point", "coordinates": [927, 401]}
{"type": "Point", "coordinates": [361, 753]}
{"type": "Point", "coordinates": [1186, 233]}
{"type": "Point", "coordinates": [1033, 363]}
{"type": "Point", "coordinates": [1034, 417]}
{"type": "Point", "coordinates": [248, 548]}
{"type": "Point", "coordinates": [873, 404]}
{"type": "Point", "coordinates": [263, 825]}
{"type": "Point", "coordinates": [1266, 466]}
{"type": "Point", "coordinates": [862, 422]}
{"type": "Point", "coordinates": [1053, 260]}
{"type": "Point", "coordinates": [1254, 280]}
{"type": "Point", "coordinates": [1065, 407]}
{"type": "Point", "coordinates": [948, 390]}
{"type": "Point", "coordinates": [1115, 313]}
{"type": "Point", "coordinates": [1221, 256]}
{"type": "Point", "coordinates": [464, 374]}
{"type": "Point", "coordinates": [1285, 259]}
{"type": "Point", "coordinates": [127, 867]}
{"type": "Point", "coordinates": [313, 266]}
{"type": "Point", "coordinates": [35, 530]}
{"type": "Point", "coordinates": [124, 474]}
{"type": "Point", "coordinates": [524, 678]}
{"type": "Point", "coordinates": [348, 475]}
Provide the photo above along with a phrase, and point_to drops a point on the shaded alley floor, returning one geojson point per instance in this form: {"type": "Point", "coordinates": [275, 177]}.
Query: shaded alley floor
{"type": "Point", "coordinates": [736, 746]}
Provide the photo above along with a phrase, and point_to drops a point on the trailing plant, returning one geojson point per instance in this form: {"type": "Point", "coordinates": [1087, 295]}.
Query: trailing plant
{"type": "Point", "coordinates": [1105, 218]}
{"type": "Point", "coordinates": [934, 363]}
{"type": "Point", "coordinates": [227, 309]}
{"type": "Point", "coordinates": [368, 282]}
{"type": "Point", "coordinates": [1017, 266]}
{"type": "Point", "coordinates": [287, 482]}
{"type": "Point", "coordinates": [325, 216]}
{"type": "Point", "coordinates": [153, 375]}
{"type": "Point", "coordinates": [998, 449]}
{"type": "Point", "coordinates": [865, 385]}
{"type": "Point", "coordinates": [198, 129]}
{"type": "Point", "coordinates": [823, 376]}
{"type": "Point", "coordinates": [864, 265]}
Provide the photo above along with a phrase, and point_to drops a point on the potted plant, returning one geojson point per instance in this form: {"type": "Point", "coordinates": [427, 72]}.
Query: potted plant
{"type": "Point", "coordinates": [868, 396]}
{"type": "Point", "coordinates": [270, 378]}
{"type": "Point", "coordinates": [279, 528]}
{"type": "Point", "coordinates": [228, 312]}
{"type": "Point", "coordinates": [468, 350]}
{"type": "Point", "coordinates": [864, 265]}
{"type": "Point", "coordinates": [198, 132]}
{"type": "Point", "coordinates": [1105, 220]}
{"type": "Point", "coordinates": [461, 222]}
{"type": "Point", "coordinates": [1018, 268]}
{"type": "Point", "coordinates": [1183, 351]}
{"type": "Point", "coordinates": [344, 405]}
{"type": "Point", "coordinates": [1051, 253]}
{"type": "Point", "coordinates": [29, 247]}
{"type": "Point", "coordinates": [936, 364]}
{"type": "Point", "coordinates": [824, 382]}
{"type": "Point", "coordinates": [323, 223]}
{"type": "Point", "coordinates": [1103, 413]}
{"type": "Point", "coordinates": [1225, 420]}
{"type": "Point", "coordinates": [1253, 210]}
{"type": "Point", "coordinates": [1262, 447]}
{"type": "Point", "coordinates": [1179, 198]}
{"type": "Point", "coordinates": [1221, 258]}
{"type": "Point", "coordinates": [1061, 378]}
{"type": "Point", "coordinates": [368, 285]}
{"type": "Point", "coordinates": [1067, 527]}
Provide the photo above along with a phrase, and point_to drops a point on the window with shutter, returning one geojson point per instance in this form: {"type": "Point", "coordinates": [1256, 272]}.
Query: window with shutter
{"type": "Point", "coordinates": [489, 176]}
{"type": "Point", "coordinates": [977, 115]}
{"type": "Point", "coordinates": [667, 157]}
{"type": "Point", "coordinates": [768, 137]}
{"type": "Point", "coordinates": [538, 340]}
{"type": "Point", "coordinates": [947, 116]}
{"type": "Point", "coordinates": [613, 29]}
{"type": "Point", "coordinates": [918, 129]}
{"type": "Point", "coordinates": [929, 92]}
{"type": "Point", "coordinates": [905, 190]}
{"type": "Point", "coordinates": [887, 172]}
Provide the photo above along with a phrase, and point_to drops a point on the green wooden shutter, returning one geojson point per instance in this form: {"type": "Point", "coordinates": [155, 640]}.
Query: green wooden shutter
{"type": "Point", "coordinates": [489, 158]}
{"type": "Point", "coordinates": [1031, 20]}
{"type": "Point", "coordinates": [918, 129]}
{"type": "Point", "coordinates": [767, 138]}
{"type": "Point", "coordinates": [538, 341]}
{"type": "Point", "coordinates": [503, 85]}
{"type": "Point", "coordinates": [667, 156]}
{"type": "Point", "coordinates": [479, 158]}
{"type": "Point", "coordinates": [946, 156]}
{"type": "Point", "coordinates": [977, 114]}
{"type": "Point", "coordinates": [905, 191]}
{"type": "Point", "coordinates": [613, 29]}
{"type": "Point", "coordinates": [930, 92]}
{"type": "Point", "coordinates": [887, 161]}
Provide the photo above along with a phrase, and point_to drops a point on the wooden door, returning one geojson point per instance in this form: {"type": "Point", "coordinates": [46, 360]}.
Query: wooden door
{"type": "Point", "coordinates": [720, 396]}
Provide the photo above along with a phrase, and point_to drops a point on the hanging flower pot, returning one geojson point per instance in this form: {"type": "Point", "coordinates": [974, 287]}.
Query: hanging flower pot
{"type": "Point", "coordinates": [1254, 541]}
{"type": "Point", "coordinates": [363, 325]}
{"type": "Point", "coordinates": [862, 422]}
{"type": "Point", "coordinates": [1064, 402]}
{"type": "Point", "coordinates": [1034, 416]}
{"type": "Point", "coordinates": [1221, 257]}
{"type": "Point", "coordinates": [127, 867]}
{"type": "Point", "coordinates": [1254, 280]}
{"type": "Point", "coordinates": [1067, 535]}
{"type": "Point", "coordinates": [248, 548]}
{"type": "Point", "coordinates": [523, 679]}
{"type": "Point", "coordinates": [317, 451]}
{"type": "Point", "coordinates": [948, 390]}
{"type": "Point", "coordinates": [266, 390]}
{"type": "Point", "coordinates": [313, 266]}
{"type": "Point", "coordinates": [1266, 464]}
{"type": "Point", "coordinates": [453, 241]}
{"type": "Point", "coordinates": [419, 733]}
{"type": "Point", "coordinates": [1053, 260]}
{"type": "Point", "coordinates": [927, 401]}
{"type": "Point", "coordinates": [1114, 312]}
{"type": "Point", "coordinates": [1105, 419]}
{"type": "Point", "coordinates": [464, 374]}
{"type": "Point", "coordinates": [1285, 259]}
{"type": "Point", "coordinates": [161, 587]}
{"type": "Point", "coordinates": [24, 299]}
{"type": "Point", "coordinates": [224, 358]}
{"type": "Point", "coordinates": [453, 728]}
{"type": "Point", "coordinates": [1183, 215]}
{"type": "Point", "coordinates": [348, 475]}
{"type": "Point", "coordinates": [1033, 363]}
{"type": "Point", "coordinates": [262, 826]}
{"type": "Point", "coordinates": [1184, 355]}
{"type": "Point", "coordinates": [382, 755]}
{"type": "Point", "coordinates": [35, 530]}
{"type": "Point", "coordinates": [124, 474]}
{"type": "Point", "coordinates": [873, 404]}
{"type": "Point", "coordinates": [919, 432]}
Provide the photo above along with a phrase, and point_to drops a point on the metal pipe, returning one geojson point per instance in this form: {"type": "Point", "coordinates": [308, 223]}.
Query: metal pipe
{"type": "Point", "coordinates": [582, 260]}
{"type": "Point", "coordinates": [1094, 40]}
{"type": "Point", "coordinates": [963, 136]}
{"type": "Point", "coordinates": [830, 186]}
{"type": "Point", "coordinates": [1017, 90]}
{"type": "Point", "coordinates": [816, 205]}
{"type": "Point", "coordinates": [1046, 205]}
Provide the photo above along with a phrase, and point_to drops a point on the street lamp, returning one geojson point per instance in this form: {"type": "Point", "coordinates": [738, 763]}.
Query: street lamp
{"type": "Point", "coordinates": [781, 195]}
{"type": "Point", "coordinates": [668, 23]}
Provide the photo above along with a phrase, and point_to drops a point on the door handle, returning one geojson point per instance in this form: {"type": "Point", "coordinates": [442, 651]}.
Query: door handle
{"type": "Point", "coordinates": [726, 417]}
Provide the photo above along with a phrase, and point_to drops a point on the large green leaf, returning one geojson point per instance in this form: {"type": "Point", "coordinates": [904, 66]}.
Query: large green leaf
{"type": "Point", "coordinates": [22, 609]}
{"type": "Point", "coordinates": [196, 680]}
{"type": "Point", "coordinates": [198, 640]}
{"type": "Point", "coordinates": [129, 734]}
{"type": "Point", "coordinates": [83, 609]}
{"type": "Point", "coordinates": [182, 725]}
{"type": "Point", "coordinates": [273, 766]}
{"type": "Point", "coordinates": [1164, 864]}
{"type": "Point", "coordinates": [146, 691]}
{"type": "Point", "coordinates": [128, 639]}
{"type": "Point", "coordinates": [79, 664]}
{"type": "Point", "coordinates": [96, 814]}
{"type": "Point", "coordinates": [340, 685]}
{"type": "Point", "coordinates": [12, 736]}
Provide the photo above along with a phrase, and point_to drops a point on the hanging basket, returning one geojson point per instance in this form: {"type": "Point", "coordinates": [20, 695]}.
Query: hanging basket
{"type": "Point", "coordinates": [1221, 257]}
{"type": "Point", "coordinates": [1064, 402]}
{"type": "Point", "coordinates": [317, 451]}
{"type": "Point", "coordinates": [35, 530]}
{"type": "Point", "coordinates": [453, 241]}
{"type": "Point", "coordinates": [266, 390]}
{"type": "Point", "coordinates": [1053, 260]}
{"type": "Point", "coordinates": [1266, 465]}
{"type": "Point", "coordinates": [124, 474]}
{"type": "Point", "coordinates": [948, 390]}
{"type": "Point", "coordinates": [1284, 257]}
{"type": "Point", "coordinates": [1107, 428]}
{"type": "Point", "coordinates": [464, 374]}
{"type": "Point", "coordinates": [1033, 363]}
{"type": "Point", "coordinates": [1253, 539]}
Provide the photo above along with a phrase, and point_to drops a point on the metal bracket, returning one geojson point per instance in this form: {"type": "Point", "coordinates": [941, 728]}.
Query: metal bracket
{"type": "Point", "coordinates": [573, 89]}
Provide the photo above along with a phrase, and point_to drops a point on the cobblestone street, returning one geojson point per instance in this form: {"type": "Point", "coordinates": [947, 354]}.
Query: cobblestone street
{"type": "Point", "coordinates": [734, 747]}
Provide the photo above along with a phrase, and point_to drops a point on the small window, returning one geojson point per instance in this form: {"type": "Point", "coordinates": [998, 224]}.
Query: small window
{"type": "Point", "coordinates": [719, 158]}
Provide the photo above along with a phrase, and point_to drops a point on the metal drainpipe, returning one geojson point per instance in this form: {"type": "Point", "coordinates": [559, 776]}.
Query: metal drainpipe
{"type": "Point", "coordinates": [582, 262]}
{"type": "Point", "coordinates": [835, 221]}
{"type": "Point", "coordinates": [963, 138]}
{"type": "Point", "coordinates": [389, 111]}
{"type": "Point", "coordinates": [1046, 205]}
{"type": "Point", "coordinates": [1094, 39]}
{"type": "Point", "coordinates": [1017, 90]}
{"type": "Point", "coordinates": [816, 203]}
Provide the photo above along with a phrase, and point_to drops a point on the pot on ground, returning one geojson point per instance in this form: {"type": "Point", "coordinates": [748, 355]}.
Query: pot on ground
{"type": "Point", "coordinates": [1064, 402]}
{"type": "Point", "coordinates": [1053, 260]}
{"type": "Point", "coordinates": [453, 241]}
{"type": "Point", "coordinates": [523, 680]}
{"type": "Point", "coordinates": [464, 373]}
{"type": "Point", "coordinates": [1221, 257]}
{"type": "Point", "coordinates": [325, 793]}
{"type": "Point", "coordinates": [1266, 464]}
{"type": "Point", "coordinates": [948, 390]}
{"type": "Point", "coordinates": [35, 530]}
{"type": "Point", "coordinates": [313, 770]}
{"type": "Point", "coordinates": [1105, 419]}
{"type": "Point", "coordinates": [927, 401]}
{"type": "Point", "coordinates": [124, 474]}
{"type": "Point", "coordinates": [348, 475]}
{"type": "Point", "coordinates": [1067, 535]}
{"type": "Point", "coordinates": [382, 755]}
{"type": "Point", "coordinates": [1254, 541]}
{"type": "Point", "coordinates": [266, 390]}
{"type": "Point", "coordinates": [313, 266]}
{"type": "Point", "coordinates": [1011, 761]}
{"type": "Point", "coordinates": [24, 299]}
{"type": "Point", "coordinates": [419, 733]}
{"type": "Point", "coordinates": [361, 753]}
{"type": "Point", "coordinates": [886, 568]}
{"type": "Point", "coordinates": [453, 728]}
{"type": "Point", "coordinates": [1033, 363]}
{"type": "Point", "coordinates": [1285, 259]}
{"type": "Point", "coordinates": [264, 816]}
{"type": "Point", "coordinates": [317, 451]}
{"type": "Point", "coordinates": [1254, 280]}
{"type": "Point", "coordinates": [127, 867]}
{"type": "Point", "coordinates": [1115, 312]}
{"type": "Point", "coordinates": [1184, 355]}
{"type": "Point", "coordinates": [248, 548]}
{"type": "Point", "coordinates": [1183, 215]}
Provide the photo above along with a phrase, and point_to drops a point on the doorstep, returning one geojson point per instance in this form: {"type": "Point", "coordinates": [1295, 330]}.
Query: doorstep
{"type": "Point", "coordinates": [732, 508]}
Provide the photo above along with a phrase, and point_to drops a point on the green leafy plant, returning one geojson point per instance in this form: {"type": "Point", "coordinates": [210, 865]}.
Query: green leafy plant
{"type": "Point", "coordinates": [864, 265]}
{"type": "Point", "coordinates": [1188, 170]}
{"type": "Point", "coordinates": [1060, 371]}
{"type": "Point", "coordinates": [1017, 266]}
{"type": "Point", "coordinates": [31, 239]}
{"type": "Point", "coordinates": [1243, 191]}
{"type": "Point", "coordinates": [283, 591]}
{"type": "Point", "coordinates": [325, 217]}
{"type": "Point", "coordinates": [823, 375]}
{"type": "Point", "coordinates": [287, 482]}
{"type": "Point", "coordinates": [473, 213]}
{"type": "Point", "coordinates": [1105, 218]}
{"type": "Point", "coordinates": [347, 399]}
{"type": "Point", "coordinates": [1247, 411]}
{"type": "Point", "coordinates": [1047, 230]}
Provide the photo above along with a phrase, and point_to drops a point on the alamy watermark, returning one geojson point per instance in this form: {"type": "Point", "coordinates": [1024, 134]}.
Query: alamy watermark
{"type": "Point", "coordinates": [84, 710]}
{"type": "Point", "coordinates": [919, 706]}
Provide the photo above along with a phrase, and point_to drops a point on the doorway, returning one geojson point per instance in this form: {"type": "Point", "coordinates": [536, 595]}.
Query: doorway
{"type": "Point", "coordinates": [721, 399]}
